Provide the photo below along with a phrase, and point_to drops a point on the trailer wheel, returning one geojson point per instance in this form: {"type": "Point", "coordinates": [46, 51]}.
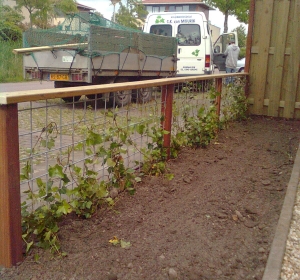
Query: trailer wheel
{"type": "Point", "coordinates": [59, 84]}
{"type": "Point", "coordinates": [122, 97]}
{"type": "Point", "coordinates": [144, 95]}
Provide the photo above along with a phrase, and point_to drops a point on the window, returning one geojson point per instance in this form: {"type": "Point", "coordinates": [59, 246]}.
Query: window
{"type": "Point", "coordinates": [192, 8]}
{"type": "Point", "coordinates": [172, 8]}
{"type": "Point", "coordinates": [189, 35]}
{"type": "Point", "coordinates": [185, 8]}
{"type": "Point", "coordinates": [162, 8]}
{"type": "Point", "coordinates": [178, 8]}
{"type": "Point", "coordinates": [155, 9]}
{"type": "Point", "coordinates": [164, 30]}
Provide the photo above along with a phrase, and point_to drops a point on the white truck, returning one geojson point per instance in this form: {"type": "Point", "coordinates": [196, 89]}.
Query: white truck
{"type": "Point", "coordinates": [195, 52]}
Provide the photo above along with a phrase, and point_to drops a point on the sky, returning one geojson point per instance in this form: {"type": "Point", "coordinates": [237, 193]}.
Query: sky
{"type": "Point", "coordinates": [106, 8]}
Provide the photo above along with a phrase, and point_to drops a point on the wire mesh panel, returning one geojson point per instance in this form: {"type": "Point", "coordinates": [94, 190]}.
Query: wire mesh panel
{"type": "Point", "coordinates": [63, 143]}
{"type": "Point", "coordinates": [57, 139]}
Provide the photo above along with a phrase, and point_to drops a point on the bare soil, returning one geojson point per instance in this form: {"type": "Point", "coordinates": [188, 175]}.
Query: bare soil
{"type": "Point", "coordinates": [215, 220]}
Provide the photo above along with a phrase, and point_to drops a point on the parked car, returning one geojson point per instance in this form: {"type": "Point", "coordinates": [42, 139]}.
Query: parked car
{"type": "Point", "coordinates": [240, 65]}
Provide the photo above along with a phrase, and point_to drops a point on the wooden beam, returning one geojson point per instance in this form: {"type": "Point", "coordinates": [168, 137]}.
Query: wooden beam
{"type": "Point", "coordinates": [10, 202]}
{"type": "Point", "coordinates": [166, 112]}
{"type": "Point", "coordinates": [249, 43]}
{"type": "Point", "coordinates": [48, 48]}
{"type": "Point", "coordinates": [34, 95]}
{"type": "Point", "coordinates": [282, 103]}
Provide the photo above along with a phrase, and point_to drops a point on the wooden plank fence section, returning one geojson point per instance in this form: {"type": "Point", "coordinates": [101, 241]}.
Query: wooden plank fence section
{"type": "Point", "coordinates": [259, 52]}
{"type": "Point", "coordinates": [292, 66]}
{"type": "Point", "coordinates": [278, 40]}
{"type": "Point", "coordinates": [274, 58]}
{"type": "Point", "coordinates": [10, 202]}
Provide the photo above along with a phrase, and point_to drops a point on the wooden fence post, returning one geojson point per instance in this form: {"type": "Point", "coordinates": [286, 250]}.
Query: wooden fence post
{"type": "Point", "coordinates": [166, 112]}
{"type": "Point", "coordinates": [218, 98]}
{"type": "Point", "coordinates": [10, 202]}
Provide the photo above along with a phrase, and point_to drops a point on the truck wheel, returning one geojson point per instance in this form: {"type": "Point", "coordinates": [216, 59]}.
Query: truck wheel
{"type": "Point", "coordinates": [144, 95]}
{"type": "Point", "coordinates": [59, 84]}
{"type": "Point", "coordinates": [122, 97]}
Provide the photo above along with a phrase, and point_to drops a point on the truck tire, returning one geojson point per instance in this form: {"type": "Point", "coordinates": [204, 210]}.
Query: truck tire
{"type": "Point", "coordinates": [60, 84]}
{"type": "Point", "coordinates": [144, 95]}
{"type": "Point", "coordinates": [122, 97]}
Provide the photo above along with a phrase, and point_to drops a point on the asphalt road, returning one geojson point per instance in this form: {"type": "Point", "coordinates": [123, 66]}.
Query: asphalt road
{"type": "Point", "coordinates": [11, 87]}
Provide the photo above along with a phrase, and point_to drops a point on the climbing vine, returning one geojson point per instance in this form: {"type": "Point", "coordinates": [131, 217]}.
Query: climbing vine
{"type": "Point", "coordinates": [78, 188]}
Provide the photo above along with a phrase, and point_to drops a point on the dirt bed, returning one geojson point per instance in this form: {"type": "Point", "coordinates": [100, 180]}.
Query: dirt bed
{"type": "Point", "coordinates": [215, 220]}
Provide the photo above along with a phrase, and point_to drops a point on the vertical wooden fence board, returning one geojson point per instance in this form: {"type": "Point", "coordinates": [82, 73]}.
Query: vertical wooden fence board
{"type": "Point", "coordinates": [10, 202]}
{"type": "Point", "coordinates": [279, 35]}
{"type": "Point", "coordinates": [297, 111]}
{"type": "Point", "coordinates": [259, 52]}
{"type": "Point", "coordinates": [292, 68]}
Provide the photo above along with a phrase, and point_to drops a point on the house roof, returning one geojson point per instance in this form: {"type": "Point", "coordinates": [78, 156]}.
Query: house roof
{"type": "Point", "coordinates": [169, 2]}
{"type": "Point", "coordinates": [83, 7]}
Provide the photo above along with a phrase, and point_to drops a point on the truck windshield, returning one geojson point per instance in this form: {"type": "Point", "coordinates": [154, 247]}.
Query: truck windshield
{"type": "Point", "coordinates": [189, 35]}
{"type": "Point", "coordinates": [164, 30]}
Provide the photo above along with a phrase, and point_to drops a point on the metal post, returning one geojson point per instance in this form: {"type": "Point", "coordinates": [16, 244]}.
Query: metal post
{"type": "Point", "coordinates": [166, 112]}
{"type": "Point", "coordinates": [10, 201]}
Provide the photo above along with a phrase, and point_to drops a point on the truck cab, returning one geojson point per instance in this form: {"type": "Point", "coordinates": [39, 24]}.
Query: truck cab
{"type": "Point", "coordinates": [194, 51]}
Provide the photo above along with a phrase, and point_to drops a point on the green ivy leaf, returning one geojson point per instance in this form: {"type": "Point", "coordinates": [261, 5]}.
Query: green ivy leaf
{"type": "Point", "coordinates": [65, 208]}
{"type": "Point", "coordinates": [140, 129]}
{"type": "Point", "coordinates": [110, 162]}
{"type": "Point", "coordinates": [56, 171]}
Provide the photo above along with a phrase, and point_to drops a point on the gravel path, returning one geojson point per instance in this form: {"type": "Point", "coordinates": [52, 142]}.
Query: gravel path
{"type": "Point", "coordinates": [291, 261]}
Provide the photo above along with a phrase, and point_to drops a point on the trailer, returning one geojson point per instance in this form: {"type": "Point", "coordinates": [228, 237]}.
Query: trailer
{"type": "Point", "coordinates": [87, 49]}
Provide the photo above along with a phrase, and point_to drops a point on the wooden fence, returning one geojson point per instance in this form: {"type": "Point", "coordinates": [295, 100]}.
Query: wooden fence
{"type": "Point", "coordinates": [10, 207]}
{"type": "Point", "coordinates": [273, 49]}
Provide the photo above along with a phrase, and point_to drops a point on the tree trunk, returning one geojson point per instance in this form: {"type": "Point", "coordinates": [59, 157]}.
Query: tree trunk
{"type": "Point", "coordinates": [226, 22]}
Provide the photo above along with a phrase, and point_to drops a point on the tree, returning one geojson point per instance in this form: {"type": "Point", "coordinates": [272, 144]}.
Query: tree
{"type": "Point", "coordinates": [131, 14]}
{"type": "Point", "coordinates": [10, 23]}
{"type": "Point", "coordinates": [42, 11]}
{"type": "Point", "coordinates": [242, 36]}
{"type": "Point", "coordinates": [240, 9]}
{"type": "Point", "coordinates": [241, 32]}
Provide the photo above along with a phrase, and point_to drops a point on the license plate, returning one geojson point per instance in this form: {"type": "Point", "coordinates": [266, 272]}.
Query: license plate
{"type": "Point", "coordinates": [59, 77]}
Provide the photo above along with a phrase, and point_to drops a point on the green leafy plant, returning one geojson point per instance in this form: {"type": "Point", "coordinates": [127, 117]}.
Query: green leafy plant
{"type": "Point", "coordinates": [77, 188]}
{"type": "Point", "coordinates": [202, 128]}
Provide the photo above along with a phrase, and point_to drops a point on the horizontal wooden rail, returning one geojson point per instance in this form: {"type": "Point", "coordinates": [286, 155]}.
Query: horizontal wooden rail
{"type": "Point", "coordinates": [48, 48]}
{"type": "Point", "coordinates": [34, 95]}
{"type": "Point", "coordinates": [267, 101]}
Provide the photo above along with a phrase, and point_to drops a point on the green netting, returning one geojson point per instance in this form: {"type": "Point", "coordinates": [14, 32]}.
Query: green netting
{"type": "Point", "coordinates": [101, 36]}
{"type": "Point", "coordinates": [111, 40]}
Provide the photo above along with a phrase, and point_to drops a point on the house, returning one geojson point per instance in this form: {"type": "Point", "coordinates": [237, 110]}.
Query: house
{"type": "Point", "coordinates": [177, 6]}
{"type": "Point", "coordinates": [12, 3]}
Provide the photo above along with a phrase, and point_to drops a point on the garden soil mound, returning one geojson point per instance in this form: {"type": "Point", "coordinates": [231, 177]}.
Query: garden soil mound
{"type": "Point", "coordinates": [215, 220]}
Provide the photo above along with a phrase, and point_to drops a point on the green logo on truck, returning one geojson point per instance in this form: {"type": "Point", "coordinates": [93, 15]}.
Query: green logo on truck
{"type": "Point", "coordinates": [159, 19]}
{"type": "Point", "coordinates": [196, 52]}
